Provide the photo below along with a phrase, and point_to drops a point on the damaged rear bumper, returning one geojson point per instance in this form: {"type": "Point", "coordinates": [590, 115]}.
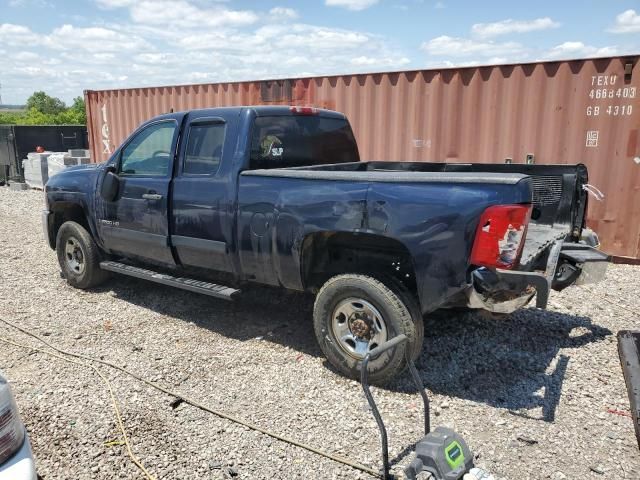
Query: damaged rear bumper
{"type": "Point", "coordinates": [505, 291]}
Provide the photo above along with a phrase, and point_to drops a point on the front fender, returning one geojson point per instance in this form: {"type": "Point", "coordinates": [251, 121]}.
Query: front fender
{"type": "Point", "coordinates": [69, 194]}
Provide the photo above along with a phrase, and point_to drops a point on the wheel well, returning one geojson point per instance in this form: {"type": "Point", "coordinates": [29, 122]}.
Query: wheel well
{"type": "Point", "coordinates": [67, 212]}
{"type": "Point", "coordinates": [327, 254]}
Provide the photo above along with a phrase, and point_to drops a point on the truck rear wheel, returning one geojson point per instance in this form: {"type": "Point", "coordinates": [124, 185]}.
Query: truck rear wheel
{"type": "Point", "coordinates": [79, 256]}
{"type": "Point", "coordinates": [355, 313]}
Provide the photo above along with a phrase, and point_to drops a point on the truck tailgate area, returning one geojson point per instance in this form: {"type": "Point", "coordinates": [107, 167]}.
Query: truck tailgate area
{"type": "Point", "coordinates": [559, 204]}
{"type": "Point", "coordinates": [539, 238]}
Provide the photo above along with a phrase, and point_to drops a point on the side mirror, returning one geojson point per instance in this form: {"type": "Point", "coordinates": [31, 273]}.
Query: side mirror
{"type": "Point", "coordinates": [110, 186]}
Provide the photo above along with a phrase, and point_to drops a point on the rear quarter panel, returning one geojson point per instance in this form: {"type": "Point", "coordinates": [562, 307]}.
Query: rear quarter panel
{"type": "Point", "coordinates": [437, 224]}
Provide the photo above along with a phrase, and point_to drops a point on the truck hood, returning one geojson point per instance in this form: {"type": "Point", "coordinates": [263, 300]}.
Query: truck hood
{"type": "Point", "coordinates": [79, 178]}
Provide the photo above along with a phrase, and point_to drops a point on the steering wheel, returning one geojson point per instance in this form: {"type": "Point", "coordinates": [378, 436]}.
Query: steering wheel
{"type": "Point", "coordinates": [157, 153]}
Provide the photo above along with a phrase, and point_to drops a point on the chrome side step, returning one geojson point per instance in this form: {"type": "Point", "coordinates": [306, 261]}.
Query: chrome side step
{"type": "Point", "coordinates": [198, 286]}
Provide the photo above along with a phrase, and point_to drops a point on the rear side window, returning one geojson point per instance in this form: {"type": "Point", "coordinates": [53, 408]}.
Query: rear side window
{"type": "Point", "coordinates": [204, 149]}
{"type": "Point", "coordinates": [304, 140]}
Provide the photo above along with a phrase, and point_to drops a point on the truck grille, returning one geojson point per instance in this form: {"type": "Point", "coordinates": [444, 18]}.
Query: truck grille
{"type": "Point", "coordinates": [547, 190]}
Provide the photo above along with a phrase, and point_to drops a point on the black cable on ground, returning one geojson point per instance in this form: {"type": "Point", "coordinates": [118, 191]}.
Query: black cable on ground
{"type": "Point", "coordinates": [114, 400]}
{"type": "Point", "coordinates": [198, 405]}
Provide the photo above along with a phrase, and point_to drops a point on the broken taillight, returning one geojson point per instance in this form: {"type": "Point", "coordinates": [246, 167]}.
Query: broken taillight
{"type": "Point", "coordinates": [500, 236]}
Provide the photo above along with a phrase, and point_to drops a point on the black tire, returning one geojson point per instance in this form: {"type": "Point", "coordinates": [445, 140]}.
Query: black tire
{"type": "Point", "coordinates": [88, 274]}
{"type": "Point", "coordinates": [416, 315]}
{"type": "Point", "coordinates": [400, 314]}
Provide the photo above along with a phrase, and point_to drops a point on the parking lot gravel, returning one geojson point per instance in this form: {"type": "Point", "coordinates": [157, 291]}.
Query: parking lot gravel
{"type": "Point", "coordinates": [533, 393]}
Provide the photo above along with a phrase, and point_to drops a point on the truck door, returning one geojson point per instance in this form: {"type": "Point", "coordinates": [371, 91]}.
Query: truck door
{"type": "Point", "coordinates": [204, 192]}
{"type": "Point", "coordinates": [136, 223]}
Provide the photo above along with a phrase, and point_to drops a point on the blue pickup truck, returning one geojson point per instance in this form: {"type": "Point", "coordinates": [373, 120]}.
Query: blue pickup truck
{"type": "Point", "coordinates": [212, 200]}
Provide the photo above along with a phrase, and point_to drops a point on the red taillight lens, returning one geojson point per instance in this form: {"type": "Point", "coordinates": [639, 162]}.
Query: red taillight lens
{"type": "Point", "coordinates": [500, 236]}
{"type": "Point", "coordinates": [304, 110]}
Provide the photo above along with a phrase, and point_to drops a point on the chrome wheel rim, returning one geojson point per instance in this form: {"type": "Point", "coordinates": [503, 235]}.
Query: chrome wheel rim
{"type": "Point", "coordinates": [74, 256]}
{"type": "Point", "coordinates": [358, 327]}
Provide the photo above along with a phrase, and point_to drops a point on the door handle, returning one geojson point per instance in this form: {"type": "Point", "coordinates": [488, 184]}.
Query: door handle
{"type": "Point", "coordinates": [151, 196]}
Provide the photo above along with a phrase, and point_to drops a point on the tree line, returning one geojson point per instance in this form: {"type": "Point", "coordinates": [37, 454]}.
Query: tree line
{"type": "Point", "coordinates": [42, 109]}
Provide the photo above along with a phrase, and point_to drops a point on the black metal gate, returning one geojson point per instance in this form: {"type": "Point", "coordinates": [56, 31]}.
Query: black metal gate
{"type": "Point", "coordinates": [16, 141]}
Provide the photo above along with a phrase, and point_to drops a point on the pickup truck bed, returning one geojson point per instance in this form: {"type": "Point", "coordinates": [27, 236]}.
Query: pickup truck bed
{"type": "Point", "coordinates": [305, 206]}
{"type": "Point", "coordinates": [557, 195]}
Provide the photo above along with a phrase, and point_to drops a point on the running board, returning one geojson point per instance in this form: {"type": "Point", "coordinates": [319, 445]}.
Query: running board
{"type": "Point", "coordinates": [206, 288]}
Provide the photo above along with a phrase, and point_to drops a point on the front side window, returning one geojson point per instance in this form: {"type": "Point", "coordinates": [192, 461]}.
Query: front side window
{"type": "Point", "coordinates": [204, 149]}
{"type": "Point", "coordinates": [298, 141]}
{"type": "Point", "coordinates": [149, 152]}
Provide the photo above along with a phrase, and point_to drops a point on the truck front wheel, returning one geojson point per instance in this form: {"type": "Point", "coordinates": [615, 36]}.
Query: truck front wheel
{"type": "Point", "coordinates": [79, 256]}
{"type": "Point", "coordinates": [355, 313]}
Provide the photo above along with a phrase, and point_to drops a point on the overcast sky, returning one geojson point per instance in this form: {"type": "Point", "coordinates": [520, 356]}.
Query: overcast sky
{"type": "Point", "coordinates": [65, 47]}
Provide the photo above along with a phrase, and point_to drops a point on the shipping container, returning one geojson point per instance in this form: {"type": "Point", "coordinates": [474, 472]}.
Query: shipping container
{"type": "Point", "coordinates": [16, 141]}
{"type": "Point", "coordinates": [575, 111]}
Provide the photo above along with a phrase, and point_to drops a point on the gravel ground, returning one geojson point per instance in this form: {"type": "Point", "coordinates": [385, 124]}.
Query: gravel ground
{"type": "Point", "coordinates": [530, 393]}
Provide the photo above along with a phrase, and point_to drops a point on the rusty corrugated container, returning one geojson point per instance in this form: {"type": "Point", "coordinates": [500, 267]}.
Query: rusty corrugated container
{"type": "Point", "coordinates": [559, 112]}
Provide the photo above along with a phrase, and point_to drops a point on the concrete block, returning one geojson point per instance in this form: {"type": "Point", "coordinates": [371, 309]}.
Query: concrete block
{"type": "Point", "coordinates": [17, 186]}
{"type": "Point", "coordinates": [78, 152]}
{"type": "Point", "coordinates": [38, 157]}
{"type": "Point", "coordinates": [32, 168]}
{"type": "Point", "coordinates": [77, 160]}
